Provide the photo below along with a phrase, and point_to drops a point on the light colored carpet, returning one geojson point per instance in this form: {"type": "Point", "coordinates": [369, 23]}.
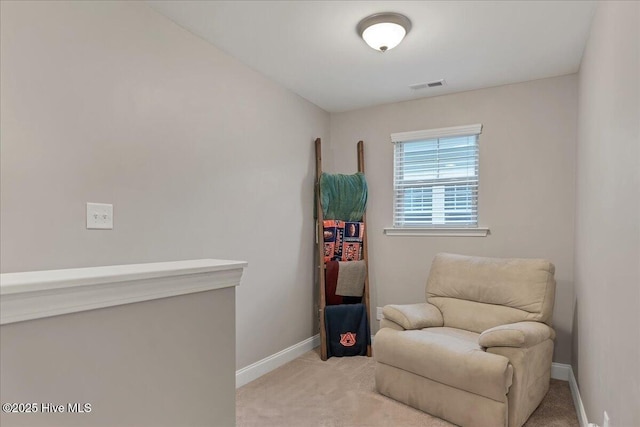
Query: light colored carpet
{"type": "Point", "coordinates": [340, 393]}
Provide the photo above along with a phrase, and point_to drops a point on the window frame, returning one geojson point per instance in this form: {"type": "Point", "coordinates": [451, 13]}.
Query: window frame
{"type": "Point", "coordinates": [436, 229]}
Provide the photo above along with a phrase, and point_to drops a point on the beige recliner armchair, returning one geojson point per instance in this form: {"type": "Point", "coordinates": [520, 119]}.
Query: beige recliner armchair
{"type": "Point", "coordinates": [478, 352]}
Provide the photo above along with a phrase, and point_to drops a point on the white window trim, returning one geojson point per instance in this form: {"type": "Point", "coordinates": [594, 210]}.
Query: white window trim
{"type": "Point", "coordinates": [438, 231]}
{"type": "Point", "coordinates": [475, 129]}
{"type": "Point", "coordinates": [419, 135]}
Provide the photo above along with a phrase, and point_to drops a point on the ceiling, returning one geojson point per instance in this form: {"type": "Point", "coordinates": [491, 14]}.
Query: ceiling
{"type": "Point", "coordinates": [312, 47]}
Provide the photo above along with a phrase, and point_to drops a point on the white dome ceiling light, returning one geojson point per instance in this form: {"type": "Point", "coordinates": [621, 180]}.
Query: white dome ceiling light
{"type": "Point", "coordinates": [384, 31]}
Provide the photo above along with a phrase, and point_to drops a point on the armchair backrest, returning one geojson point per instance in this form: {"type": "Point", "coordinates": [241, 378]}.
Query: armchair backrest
{"type": "Point", "coordinates": [476, 293]}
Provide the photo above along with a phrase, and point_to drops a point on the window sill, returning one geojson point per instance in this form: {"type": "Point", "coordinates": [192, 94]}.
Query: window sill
{"type": "Point", "coordinates": [438, 231]}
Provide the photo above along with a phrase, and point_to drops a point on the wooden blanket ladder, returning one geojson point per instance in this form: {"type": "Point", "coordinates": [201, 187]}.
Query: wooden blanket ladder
{"type": "Point", "coordinates": [320, 250]}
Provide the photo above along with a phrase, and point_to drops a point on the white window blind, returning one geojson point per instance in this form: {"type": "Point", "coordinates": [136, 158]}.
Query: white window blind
{"type": "Point", "coordinates": [436, 178]}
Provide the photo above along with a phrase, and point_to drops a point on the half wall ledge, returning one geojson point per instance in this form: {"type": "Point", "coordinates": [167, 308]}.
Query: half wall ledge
{"type": "Point", "coordinates": [38, 294]}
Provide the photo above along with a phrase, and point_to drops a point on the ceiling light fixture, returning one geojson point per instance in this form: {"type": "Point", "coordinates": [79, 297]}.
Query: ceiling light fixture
{"type": "Point", "coordinates": [384, 31]}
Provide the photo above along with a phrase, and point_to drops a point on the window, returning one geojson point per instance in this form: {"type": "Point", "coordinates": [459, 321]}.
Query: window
{"type": "Point", "coordinates": [435, 178]}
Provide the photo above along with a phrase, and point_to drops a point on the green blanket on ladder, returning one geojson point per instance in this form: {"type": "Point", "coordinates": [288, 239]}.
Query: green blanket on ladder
{"type": "Point", "coordinates": [343, 197]}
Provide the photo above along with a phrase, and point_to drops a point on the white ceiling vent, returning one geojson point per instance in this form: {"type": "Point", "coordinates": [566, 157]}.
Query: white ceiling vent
{"type": "Point", "coordinates": [435, 83]}
{"type": "Point", "coordinates": [418, 86]}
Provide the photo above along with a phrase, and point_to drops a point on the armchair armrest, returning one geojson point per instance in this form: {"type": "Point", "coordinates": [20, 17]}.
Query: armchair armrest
{"type": "Point", "coordinates": [413, 316]}
{"type": "Point", "coordinates": [520, 334]}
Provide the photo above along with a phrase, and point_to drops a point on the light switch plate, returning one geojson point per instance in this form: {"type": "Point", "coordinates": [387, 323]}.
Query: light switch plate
{"type": "Point", "coordinates": [99, 216]}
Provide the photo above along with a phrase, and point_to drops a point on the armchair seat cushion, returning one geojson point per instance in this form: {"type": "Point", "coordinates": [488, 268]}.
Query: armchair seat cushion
{"type": "Point", "coordinates": [446, 355]}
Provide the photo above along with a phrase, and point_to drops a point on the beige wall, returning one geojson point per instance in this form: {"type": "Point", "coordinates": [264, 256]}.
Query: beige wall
{"type": "Point", "coordinates": [606, 352]}
{"type": "Point", "coordinates": [133, 363]}
{"type": "Point", "coordinates": [201, 156]}
{"type": "Point", "coordinates": [526, 194]}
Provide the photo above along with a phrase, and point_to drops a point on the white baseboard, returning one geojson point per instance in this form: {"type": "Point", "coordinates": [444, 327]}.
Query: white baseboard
{"type": "Point", "coordinates": [560, 371]}
{"type": "Point", "coordinates": [577, 400]}
{"type": "Point", "coordinates": [268, 364]}
{"type": "Point", "coordinates": [564, 372]}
